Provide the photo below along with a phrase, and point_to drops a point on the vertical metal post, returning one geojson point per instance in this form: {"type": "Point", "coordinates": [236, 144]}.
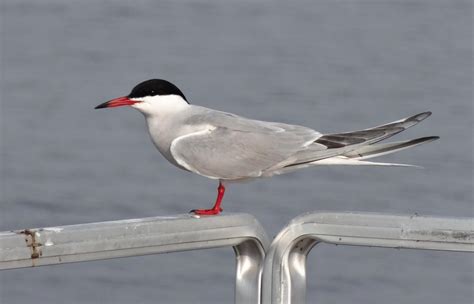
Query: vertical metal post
{"type": "Point", "coordinates": [248, 273]}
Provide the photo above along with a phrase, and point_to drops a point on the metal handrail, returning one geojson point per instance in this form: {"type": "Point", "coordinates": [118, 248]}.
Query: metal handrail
{"type": "Point", "coordinates": [106, 240]}
{"type": "Point", "coordinates": [284, 275]}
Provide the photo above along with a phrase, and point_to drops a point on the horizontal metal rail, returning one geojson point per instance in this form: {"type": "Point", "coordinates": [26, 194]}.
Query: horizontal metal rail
{"type": "Point", "coordinates": [106, 240]}
{"type": "Point", "coordinates": [284, 274]}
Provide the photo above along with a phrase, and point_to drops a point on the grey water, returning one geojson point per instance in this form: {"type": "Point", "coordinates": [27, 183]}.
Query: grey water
{"type": "Point", "coordinates": [329, 65]}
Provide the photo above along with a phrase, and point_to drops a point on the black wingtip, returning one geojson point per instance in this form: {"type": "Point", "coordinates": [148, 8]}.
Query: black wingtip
{"type": "Point", "coordinates": [421, 116]}
{"type": "Point", "coordinates": [425, 139]}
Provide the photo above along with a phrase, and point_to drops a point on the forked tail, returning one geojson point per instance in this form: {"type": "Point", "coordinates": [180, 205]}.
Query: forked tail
{"type": "Point", "coordinates": [352, 148]}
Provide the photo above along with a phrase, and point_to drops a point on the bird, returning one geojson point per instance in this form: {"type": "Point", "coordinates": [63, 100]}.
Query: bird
{"type": "Point", "coordinates": [227, 147]}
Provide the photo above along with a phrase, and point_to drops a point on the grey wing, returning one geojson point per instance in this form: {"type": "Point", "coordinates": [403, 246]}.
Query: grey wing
{"type": "Point", "coordinates": [232, 147]}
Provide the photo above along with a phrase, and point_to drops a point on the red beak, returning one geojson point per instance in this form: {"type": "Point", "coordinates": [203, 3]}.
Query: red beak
{"type": "Point", "coordinates": [116, 102]}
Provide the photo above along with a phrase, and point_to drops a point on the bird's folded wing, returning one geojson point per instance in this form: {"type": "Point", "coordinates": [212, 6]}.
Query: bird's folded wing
{"type": "Point", "coordinates": [232, 147]}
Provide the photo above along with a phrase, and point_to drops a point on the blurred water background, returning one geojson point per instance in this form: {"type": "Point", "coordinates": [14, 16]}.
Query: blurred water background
{"type": "Point", "coordinates": [329, 65]}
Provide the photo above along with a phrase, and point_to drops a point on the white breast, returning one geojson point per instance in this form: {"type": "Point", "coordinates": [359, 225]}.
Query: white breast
{"type": "Point", "coordinates": [162, 133]}
{"type": "Point", "coordinates": [164, 129]}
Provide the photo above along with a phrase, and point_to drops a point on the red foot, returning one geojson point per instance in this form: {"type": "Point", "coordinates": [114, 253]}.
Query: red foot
{"type": "Point", "coordinates": [206, 211]}
{"type": "Point", "coordinates": [217, 206]}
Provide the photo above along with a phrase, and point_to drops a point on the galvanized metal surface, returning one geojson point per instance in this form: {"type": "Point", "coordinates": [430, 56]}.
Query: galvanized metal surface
{"type": "Point", "coordinates": [284, 275]}
{"type": "Point", "coordinates": [106, 240]}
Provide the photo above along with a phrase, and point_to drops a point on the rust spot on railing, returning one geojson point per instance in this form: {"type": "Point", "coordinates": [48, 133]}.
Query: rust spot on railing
{"type": "Point", "coordinates": [32, 243]}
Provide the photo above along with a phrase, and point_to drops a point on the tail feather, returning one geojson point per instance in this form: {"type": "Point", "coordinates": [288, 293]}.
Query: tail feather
{"type": "Point", "coordinates": [358, 145]}
{"type": "Point", "coordinates": [340, 160]}
{"type": "Point", "coordinates": [375, 150]}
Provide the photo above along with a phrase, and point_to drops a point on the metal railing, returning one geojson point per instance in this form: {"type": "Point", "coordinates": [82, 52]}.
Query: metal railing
{"type": "Point", "coordinates": [284, 267]}
{"type": "Point", "coordinates": [284, 276]}
{"type": "Point", "coordinates": [106, 240]}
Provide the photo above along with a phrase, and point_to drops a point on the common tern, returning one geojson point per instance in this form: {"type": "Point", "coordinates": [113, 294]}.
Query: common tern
{"type": "Point", "coordinates": [227, 147]}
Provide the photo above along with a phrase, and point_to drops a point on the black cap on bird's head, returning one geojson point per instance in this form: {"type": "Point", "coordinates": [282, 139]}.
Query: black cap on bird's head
{"type": "Point", "coordinates": [155, 87]}
{"type": "Point", "coordinates": [148, 88]}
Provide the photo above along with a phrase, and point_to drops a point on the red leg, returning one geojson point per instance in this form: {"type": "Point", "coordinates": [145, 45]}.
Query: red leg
{"type": "Point", "coordinates": [217, 206]}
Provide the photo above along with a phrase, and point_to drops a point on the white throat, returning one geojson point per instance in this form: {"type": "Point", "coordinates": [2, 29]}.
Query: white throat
{"type": "Point", "coordinates": [159, 106]}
